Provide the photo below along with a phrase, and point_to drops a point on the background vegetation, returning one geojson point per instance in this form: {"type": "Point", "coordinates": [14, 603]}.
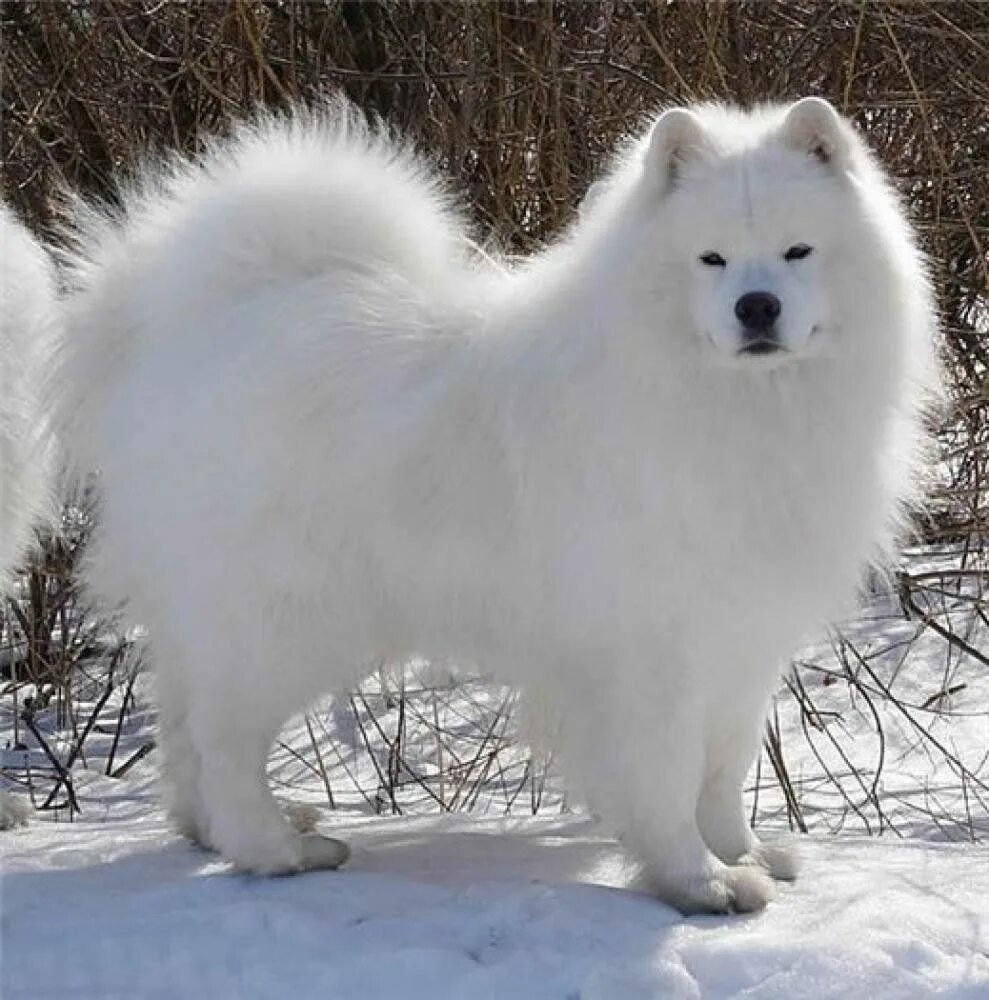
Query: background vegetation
{"type": "Point", "coordinates": [519, 102]}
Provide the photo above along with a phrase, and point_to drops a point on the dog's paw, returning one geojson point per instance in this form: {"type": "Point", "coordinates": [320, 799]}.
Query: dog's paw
{"type": "Point", "coordinates": [321, 853]}
{"type": "Point", "coordinates": [780, 860]}
{"type": "Point", "coordinates": [738, 889]}
{"type": "Point", "coordinates": [729, 889]}
{"type": "Point", "coordinates": [288, 853]}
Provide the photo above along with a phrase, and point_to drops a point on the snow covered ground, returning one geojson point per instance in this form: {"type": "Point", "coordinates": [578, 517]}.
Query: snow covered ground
{"type": "Point", "coordinates": [457, 907]}
{"type": "Point", "coordinates": [517, 892]}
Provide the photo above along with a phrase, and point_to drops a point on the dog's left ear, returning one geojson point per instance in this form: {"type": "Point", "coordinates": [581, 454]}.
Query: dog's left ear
{"type": "Point", "coordinates": [813, 126]}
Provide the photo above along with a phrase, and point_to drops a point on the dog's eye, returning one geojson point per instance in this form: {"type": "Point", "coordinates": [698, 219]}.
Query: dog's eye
{"type": "Point", "coordinates": [797, 252]}
{"type": "Point", "coordinates": [713, 259]}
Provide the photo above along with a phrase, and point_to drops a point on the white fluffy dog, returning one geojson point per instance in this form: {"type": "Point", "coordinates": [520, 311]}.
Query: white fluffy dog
{"type": "Point", "coordinates": [629, 475]}
{"type": "Point", "coordinates": [28, 325]}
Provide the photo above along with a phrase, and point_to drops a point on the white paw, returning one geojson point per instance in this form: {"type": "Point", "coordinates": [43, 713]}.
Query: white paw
{"type": "Point", "coordinates": [295, 853]}
{"type": "Point", "coordinates": [321, 853]}
{"type": "Point", "coordinates": [268, 857]}
{"type": "Point", "coordinates": [269, 849]}
{"type": "Point", "coordinates": [738, 889]}
{"type": "Point", "coordinates": [729, 889]}
{"type": "Point", "coordinates": [781, 861]}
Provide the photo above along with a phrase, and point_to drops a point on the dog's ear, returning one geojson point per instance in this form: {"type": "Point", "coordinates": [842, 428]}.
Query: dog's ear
{"type": "Point", "coordinates": [677, 136]}
{"type": "Point", "coordinates": [813, 126]}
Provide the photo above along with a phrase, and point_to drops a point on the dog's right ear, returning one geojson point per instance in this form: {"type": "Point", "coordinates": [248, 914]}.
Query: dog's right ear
{"type": "Point", "coordinates": [677, 136]}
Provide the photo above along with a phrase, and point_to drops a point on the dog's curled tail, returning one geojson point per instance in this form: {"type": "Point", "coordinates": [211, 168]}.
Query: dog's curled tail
{"type": "Point", "coordinates": [286, 204]}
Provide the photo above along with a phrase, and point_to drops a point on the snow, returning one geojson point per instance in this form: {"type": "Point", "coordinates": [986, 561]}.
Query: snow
{"type": "Point", "coordinates": [518, 892]}
{"type": "Point", "coordinates": [455, 906]}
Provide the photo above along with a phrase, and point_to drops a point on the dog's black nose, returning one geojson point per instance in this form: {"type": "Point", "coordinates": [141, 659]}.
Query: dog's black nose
{"type": "Point", "coordinates": [757, 310]}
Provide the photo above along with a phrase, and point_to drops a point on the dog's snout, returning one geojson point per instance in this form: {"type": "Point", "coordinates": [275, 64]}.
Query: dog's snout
{"type": "Point", "coordinates": [757, 310]}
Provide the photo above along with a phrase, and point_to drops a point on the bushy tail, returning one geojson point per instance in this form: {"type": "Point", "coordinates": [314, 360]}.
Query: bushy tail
{"type": "Point", "coordinates": [283, 201]}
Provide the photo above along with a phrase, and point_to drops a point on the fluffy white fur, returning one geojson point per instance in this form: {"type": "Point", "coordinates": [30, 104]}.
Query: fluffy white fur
{"type": "Point", "coordinates": [28, 324]}
{"type": "Point", "coordinates": [327, 437]}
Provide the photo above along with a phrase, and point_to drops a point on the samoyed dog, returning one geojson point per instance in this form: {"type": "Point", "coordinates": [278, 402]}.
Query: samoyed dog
{"type": "Point", "coordinates": [629, 475]}
{"type": "Point", "coordinates": [28, 332]}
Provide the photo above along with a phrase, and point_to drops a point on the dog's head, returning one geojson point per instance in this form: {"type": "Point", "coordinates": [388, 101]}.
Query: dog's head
{"type": "Point", "coordinates": [757, 220]}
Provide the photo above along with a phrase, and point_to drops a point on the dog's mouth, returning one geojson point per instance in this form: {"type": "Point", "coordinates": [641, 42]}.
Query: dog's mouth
{"type": "Point", "coordinates": [761, 346]}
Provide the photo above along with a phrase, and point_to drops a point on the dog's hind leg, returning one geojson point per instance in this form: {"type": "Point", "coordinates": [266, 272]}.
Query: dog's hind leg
{"type": "Point", "coordinates": [231, 730]}
{"type": "Point", "coordinates": [181, 771]}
